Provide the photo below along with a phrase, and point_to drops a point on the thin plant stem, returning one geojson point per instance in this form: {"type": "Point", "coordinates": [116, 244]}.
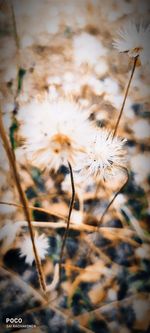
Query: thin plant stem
{"type": "Point", "coordinates": [114, 197]}
{"type": "Point", "coordinates": [39, 209]}
{"type": "Point", "coordinates": [23, 200]}
{"type": "Point", "coordinates": [78, 227]}
{"type": "Point", "coordinates": [125, 96]}
{"type": "Point", "coordinates": [17, 42]}
{"type": "Point", "coordinates": [15, 27]}
{"type": "Point", "coordinates": [68, 220]}
{"type": "Point", "coordinates": [81, 201]}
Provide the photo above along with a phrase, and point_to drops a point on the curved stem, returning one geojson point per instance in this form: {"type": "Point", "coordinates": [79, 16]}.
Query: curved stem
{"type": "Point", "coordinates": [68, 220]}
{"type": "Point", "coordinates": [114, 197]}
{"type": "Point", "coordinates": [23, 199]}
{"type": "Point", "coordinates": [125, 96]}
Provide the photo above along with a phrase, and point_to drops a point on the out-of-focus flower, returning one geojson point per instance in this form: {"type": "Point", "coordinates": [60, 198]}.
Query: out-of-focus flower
{"type": "Point", "coordinates": [141, 129]}
{"type": "Point", "coordinates": [140, 166]}
{"type": "Point", "coordinates": [54, 132]}
{"type": "Point", "coordinates": [8, 233]}
{"type": "Point", "coordinates": [118, 9]}
{"type": "Point", "coordinates": [134, 39]}
{"type": "Point", "coordinates": [26, 249]}
{"type": "Point", "coordinates": [7, 196]}
{"type": "Point", "coordinates": [105, 154]}
{"type": "Point", "coordinates": [87, 49]}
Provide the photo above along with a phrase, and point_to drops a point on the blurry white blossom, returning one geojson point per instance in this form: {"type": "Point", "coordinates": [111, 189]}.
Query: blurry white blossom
{"type": "Point", "coordinates": [116, 9]}
{"type": "Point", "coordinates": [140, 166]}
{"type": "Point", "coordinates": [7, 196]}
{"type": "Point", "coordinates": [8, 233]}
{"type": "Point", "coordinates": [53, 132]}
{"type": "Point", "coordinates": [87, 49]}
{"type": "Point", "coordinates": [101, 68]}
{"type": "Point", "coordinates": [26, 248]}
{"type": "Point", "coordinates": [134, 39]}
{"type": "Point", "coordinates": [104, 155]}
{"type": "Point", "coordinates": [141, 129]}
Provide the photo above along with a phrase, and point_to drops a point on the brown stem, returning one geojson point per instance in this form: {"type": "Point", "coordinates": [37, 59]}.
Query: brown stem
{"type": "Point", "coordinates": [23, 200]}
{"type": "Point", "coordinates": [39, 209]}
{"type": "Point", "coordinates": [15, 27]}
{"type": "Point", "coordinates": [114, 197]}
{"type": "Point", "coordinates": [68, 220]}
{"type": "Point", "coordinates": [125, 96]}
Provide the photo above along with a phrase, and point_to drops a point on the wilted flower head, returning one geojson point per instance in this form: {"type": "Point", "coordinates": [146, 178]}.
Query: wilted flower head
{"type": "Point", "coordinates": [54, 132]}
{"type": "Point", "coordinates": [134, 39]}
{"type": "Point", "coordinates": [26, 249]}
{"type": "Point", "coordinates": [104, 155]}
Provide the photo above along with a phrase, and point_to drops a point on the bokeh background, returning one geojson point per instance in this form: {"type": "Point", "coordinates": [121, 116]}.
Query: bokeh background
{"type": "Point", "coordinates": [64, 49]}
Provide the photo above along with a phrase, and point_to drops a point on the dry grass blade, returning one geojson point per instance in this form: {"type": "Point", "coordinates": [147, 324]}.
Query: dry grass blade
{"type": "Point", "coordinates": [23, 200]}
{"type": "Point", "coordinates": [68, 220]}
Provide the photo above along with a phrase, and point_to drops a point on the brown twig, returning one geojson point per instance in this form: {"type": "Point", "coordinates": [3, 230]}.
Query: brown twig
{"type": "Point", "coordinates": [23, 200]}
{"type": "Point", "coordinates": [122, 232]}
{"type": "Point", "coordinates": [39, 209]}
{"type": "Point", "coordinates": [125, 96]}
{"type": "Point", "coordinates": [68, 220]}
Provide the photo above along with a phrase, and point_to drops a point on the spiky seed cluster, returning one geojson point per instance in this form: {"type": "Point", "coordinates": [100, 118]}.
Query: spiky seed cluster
{"type": "Point", "coordinates": [26, 249]}
{"type": "Point", "coordinates": [54, 132]}
{"type": "Point", "coordinates": [134, 39]}
{"type": "Point", "coordinates": [103, 156]}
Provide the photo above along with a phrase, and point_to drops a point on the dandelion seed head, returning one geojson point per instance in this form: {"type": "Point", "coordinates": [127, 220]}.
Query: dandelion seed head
{"type": "Point", "coordinates": [104, 155]}
{"type": "Point", "coordinates": [26, 249]}
{"type": "Point", "coordinates": [134, 39]}
{"type": "Point", "coordinates": [54, 132]}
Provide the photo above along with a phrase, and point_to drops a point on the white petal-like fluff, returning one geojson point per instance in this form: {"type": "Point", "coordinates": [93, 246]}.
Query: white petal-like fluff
{"type": "Point", "coordinates": [141, 129]}
{"type": "Point", "coordinates": [134, 39]}
{"type": "Point", "coordinates": [26, 249]}
{"type": "Point", "coordinates": [105, 154]}
{"type": "Point", "coordinates": [54, 132]}
{"type": "Point", "coordinates": [8, 234]}
{"type": "Point", "coordinates": [140, 166]}
{"type": "Point", "coordinates": [87, 49]}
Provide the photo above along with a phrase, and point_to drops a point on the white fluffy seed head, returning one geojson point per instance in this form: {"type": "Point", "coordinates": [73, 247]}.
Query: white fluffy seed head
{"type": "Point", "coordinates": [54, 132]}
{"type": "Point", "coordinates": [26, 249]}
{"type": "Point", "coordinates": [105, 154]}
{"type": "Point", "coordinates": [134, 39]}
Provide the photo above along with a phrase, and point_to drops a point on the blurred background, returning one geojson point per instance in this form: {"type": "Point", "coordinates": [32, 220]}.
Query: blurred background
{"type": "Point", "coordinates": [54, 49]}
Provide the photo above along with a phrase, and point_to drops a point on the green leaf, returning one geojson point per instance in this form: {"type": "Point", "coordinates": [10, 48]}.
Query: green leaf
{"type": "Point", "coordinates": [12, 131]}
{"type": "Point", "coordinates": [21, 74]}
